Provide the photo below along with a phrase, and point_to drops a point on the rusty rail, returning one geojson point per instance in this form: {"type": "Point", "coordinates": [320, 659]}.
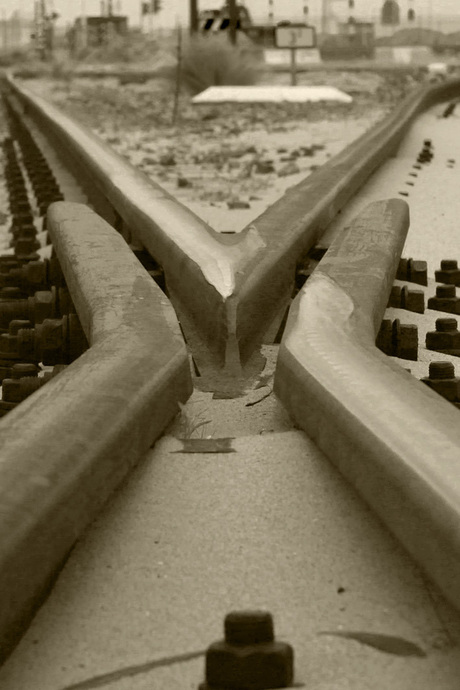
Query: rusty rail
{"type": "Point", "coordinates": [394, 439]}
{"type": "Point", "coordinates": [229, 287]}
{"type": "Point", "coordinates": [70, 444]}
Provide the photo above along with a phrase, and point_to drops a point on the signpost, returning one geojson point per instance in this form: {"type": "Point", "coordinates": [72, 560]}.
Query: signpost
{"type": "Point", "coordinates": [295, 36]}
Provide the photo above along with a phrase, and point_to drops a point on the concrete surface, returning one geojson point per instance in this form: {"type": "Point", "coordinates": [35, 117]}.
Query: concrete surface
{"type": "Point", "coordinates": [193, 536]}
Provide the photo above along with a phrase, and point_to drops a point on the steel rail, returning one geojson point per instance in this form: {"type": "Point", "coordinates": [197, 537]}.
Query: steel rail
{"type": "Point", "coordinates": [69, 445]}
{"type": "Point", "coordinates": [393, 438]}
{"type": "Point", "coordinates": [231, 287]}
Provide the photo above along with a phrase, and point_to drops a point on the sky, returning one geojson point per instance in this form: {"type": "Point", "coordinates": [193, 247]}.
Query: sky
{"type": "Point", "coordinates": [283, 9]}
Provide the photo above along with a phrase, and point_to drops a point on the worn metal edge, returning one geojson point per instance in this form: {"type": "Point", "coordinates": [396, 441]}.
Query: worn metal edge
{"type": "Point", "coordinates": [231, 288]}
{"type": "Point", "coordinates": [68, 446]}
{"type": "Point", "coordinates": [395, 440]}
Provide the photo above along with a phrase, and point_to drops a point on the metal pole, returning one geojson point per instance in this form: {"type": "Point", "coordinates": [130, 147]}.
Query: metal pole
{"type": "Point", "coordinates": [324, 17]}
{"type": "Point", "coordinates": [233, 21]}
{"type": "Point", "coordinates": [293, 67]}
{"type": "Point", "coordinates": [271, 16]}
{"type": "Point", "coordinates": [194, 16]}
{"type": "Point", "coordinates": [4, 32]}
{"type": "Point", "coordinates": [305, 11]}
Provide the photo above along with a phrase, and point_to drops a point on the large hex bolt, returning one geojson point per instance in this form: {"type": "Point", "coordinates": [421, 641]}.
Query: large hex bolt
{"type": "Point", "coordinates": [446, 337]}
{"type": "Point", "coordinates": [9, 341]}
{"type": "Point", "coordinates": [442, 379]}
{"type": "Point", "coordinates": [37, 308]}
{"type": "Point", "coordinates": [413, 271]}
{"type": "Point", "coordinates": [26, 245]}
{"type": "Point", "coordinates": [32, 276]}
{"type": "Point", "coordinates": [448, 273]}
{"type": "Point", "coordinates": [445, 300]}
{"type": "Point", "coordinates": [15, 390]}
{"type": "Point", "coordinates": [55, 341]}
{"type": "Point", "coordinates": [249, 658]}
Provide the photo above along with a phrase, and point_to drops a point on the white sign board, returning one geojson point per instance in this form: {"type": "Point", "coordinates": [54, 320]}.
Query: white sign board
{"type": "Point", "coordinates": [295, 36]}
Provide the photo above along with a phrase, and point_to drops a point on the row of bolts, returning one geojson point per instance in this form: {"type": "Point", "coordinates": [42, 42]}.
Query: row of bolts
{"type": "Point", "coordinates": [38, 322]}
{"type": "Point", "coordinates": [401, 340]}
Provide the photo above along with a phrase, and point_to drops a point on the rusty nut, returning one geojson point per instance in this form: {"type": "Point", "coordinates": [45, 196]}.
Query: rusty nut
{"type": "Point", "coordinates": [445, 337]}
{"type": "Point", "coordinates": [249, 657]}
{"type": "Point", "coordinates": [448, 272]}
{"type": "Point", "coordinates": [445, 300]}
{"type": "Point", "coordinates": [442, 380]}
{"type": "Point", "coordinates": [44, 305]}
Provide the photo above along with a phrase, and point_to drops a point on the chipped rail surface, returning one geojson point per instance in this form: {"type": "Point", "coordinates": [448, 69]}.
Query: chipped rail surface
{"type": "Point", "coordinates": [403, 459]}
{"type": "Point", "coordinates": [96, 419]}
{"type": "Point", "coordinates": [230, 287]}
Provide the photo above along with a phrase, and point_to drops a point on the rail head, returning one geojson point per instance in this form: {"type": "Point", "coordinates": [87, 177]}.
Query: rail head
{"type": "Point", "coordinates": [69, 445]}
{"type": "Point", "coordinates": [393, 438]}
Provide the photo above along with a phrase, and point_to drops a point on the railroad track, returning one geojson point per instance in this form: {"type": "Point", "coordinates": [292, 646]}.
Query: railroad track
{"type": "Point", "coordinates": [246, 467]}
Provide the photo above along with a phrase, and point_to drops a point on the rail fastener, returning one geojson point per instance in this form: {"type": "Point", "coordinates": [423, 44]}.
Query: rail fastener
{"type": "Point", "coordinates": [449, 272]}
{"type": "Point", "coordinates": [443, 381]}
{"type": "Point", "coordinates": [54, 341]}
{"type": "Point", "coordinates": [446, 337]}
{"type": "Point", "coordinates": [406, 298]}
{"type": "Point", "coordinates": [445, 300]}
{"type": "Point", "coordinates": [41, 306]}
{"type": "Point", "coordinates": [249, 656]}
{"type": "Point", "coordinates": [9, 342]}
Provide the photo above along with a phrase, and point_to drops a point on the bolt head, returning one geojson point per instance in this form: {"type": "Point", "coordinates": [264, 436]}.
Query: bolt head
{"type": "Point", "coordinates": [446, 324]}
{"type": "Point", "coordinates": [44, 305]}
{"type": "Point", "coordinates": [449, 265]}
{"type": "Point", "coordinates": [441, 370]}
{"type": "Point", "coordinates": [445, 291]}
{"type": "Point", "coordinates": [10, 292]}
{"type": "Point", "coordinates": [248, 627]}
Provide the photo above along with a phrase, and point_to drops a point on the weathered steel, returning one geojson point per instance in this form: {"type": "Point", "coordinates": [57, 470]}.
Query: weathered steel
{"type": "Point", "coordinates": [230, 287]}
{"type": "Point", "coordinates": [70, 444]}
{"type": "Point", "coordinates": [394, 439]}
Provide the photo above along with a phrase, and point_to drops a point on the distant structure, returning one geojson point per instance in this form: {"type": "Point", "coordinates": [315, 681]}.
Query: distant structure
{"type": "Point", "coordinates": [92, 32]}
{"type": "Point", "coordinates": [219, 19]}
{"type": "Point", "coordinates": [390, 14]}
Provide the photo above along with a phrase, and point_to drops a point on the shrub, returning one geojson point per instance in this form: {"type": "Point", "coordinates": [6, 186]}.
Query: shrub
{"type": "Point", "coordinates": [213, 61]}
